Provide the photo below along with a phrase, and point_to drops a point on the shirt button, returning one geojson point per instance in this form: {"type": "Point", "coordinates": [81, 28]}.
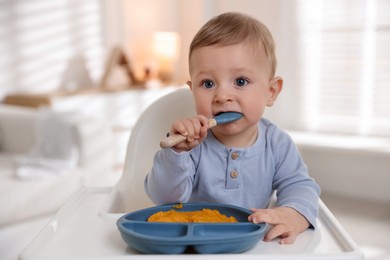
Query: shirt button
{"type": "Point", "coordinates": [235, 155]}
{"type": "Point", "coordinates": [233, 174]}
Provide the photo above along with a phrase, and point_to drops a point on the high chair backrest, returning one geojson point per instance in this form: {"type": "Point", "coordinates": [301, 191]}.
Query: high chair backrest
{"type": "Point", "coordinates": [151, 127]}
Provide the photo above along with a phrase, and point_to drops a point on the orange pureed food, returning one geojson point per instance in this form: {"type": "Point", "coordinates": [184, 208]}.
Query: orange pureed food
{"type": "Point", "coordinates": [204, 215]}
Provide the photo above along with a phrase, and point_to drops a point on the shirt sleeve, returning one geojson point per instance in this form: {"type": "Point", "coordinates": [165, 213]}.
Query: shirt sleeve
{"type": "Point", "coordinates": [171, 177]}
{"type": "Point", "coordinates": [294, 187]}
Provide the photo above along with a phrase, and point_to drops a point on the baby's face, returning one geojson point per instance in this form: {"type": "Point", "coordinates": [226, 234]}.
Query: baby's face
{"type": "Point", "coordinates": [231, 78]}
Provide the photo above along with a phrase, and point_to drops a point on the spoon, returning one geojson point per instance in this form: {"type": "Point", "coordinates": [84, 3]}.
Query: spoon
{"type": "Point", "coordinates": [222, 118]}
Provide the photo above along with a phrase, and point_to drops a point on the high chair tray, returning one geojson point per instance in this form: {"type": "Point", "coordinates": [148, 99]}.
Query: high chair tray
{"type": "Point", "coordinates": [177, 238]}
{"type": "Point", "coordinates": [81, 230]}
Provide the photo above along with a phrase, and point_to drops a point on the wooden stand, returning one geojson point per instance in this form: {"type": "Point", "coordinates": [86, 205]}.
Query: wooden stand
{"type": "Point", "coordinates": [118, 58]}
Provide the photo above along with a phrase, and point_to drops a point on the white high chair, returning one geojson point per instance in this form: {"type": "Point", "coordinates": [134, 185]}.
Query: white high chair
{"type": "Point", "coordinates": [86, 226]}
{"type": "Point", "coordinates": [151, 127]}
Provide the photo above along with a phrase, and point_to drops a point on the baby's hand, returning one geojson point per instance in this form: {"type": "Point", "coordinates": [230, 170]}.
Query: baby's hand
{"type": "Point", "coordinates": [287, 223]}
{"type": "Point", "coordinates": [194, 128]}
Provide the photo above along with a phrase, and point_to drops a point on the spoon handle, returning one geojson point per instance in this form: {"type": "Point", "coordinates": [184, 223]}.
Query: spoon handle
{"type": "Point", "coordinates": [174, 139]}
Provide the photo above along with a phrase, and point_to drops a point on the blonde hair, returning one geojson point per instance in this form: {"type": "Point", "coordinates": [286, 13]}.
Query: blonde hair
{"type": "Point", "coordinates": [233, 28]}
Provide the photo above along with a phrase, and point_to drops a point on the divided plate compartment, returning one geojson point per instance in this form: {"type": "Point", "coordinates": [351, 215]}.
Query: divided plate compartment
{"type": "Point", "coordinates": [203, 238]}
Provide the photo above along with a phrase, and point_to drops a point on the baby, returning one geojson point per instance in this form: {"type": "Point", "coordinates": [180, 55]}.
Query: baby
{"type": "Point", "coordinates": [232, 66]}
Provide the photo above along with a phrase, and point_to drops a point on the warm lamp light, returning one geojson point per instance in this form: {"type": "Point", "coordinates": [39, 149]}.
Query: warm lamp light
{"type": "Point", "coordinates": [166, 51]}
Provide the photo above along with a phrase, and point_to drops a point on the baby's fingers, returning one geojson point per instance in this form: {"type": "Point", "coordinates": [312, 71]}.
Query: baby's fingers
{"type": "Point", "coordinates": [274, 232]}
{"type": "Point", "coordinates": [264, 215]}
{"type": "Point", "coordinates": [289, 239]}
{"type": "Point", "coordinates": [179, 127]}
{"type": "Point", "coordinates": [286, 237]}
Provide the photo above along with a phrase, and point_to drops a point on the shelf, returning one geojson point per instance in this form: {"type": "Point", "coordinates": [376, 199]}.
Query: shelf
{"type": "Point", "coordinates": [46, 99]}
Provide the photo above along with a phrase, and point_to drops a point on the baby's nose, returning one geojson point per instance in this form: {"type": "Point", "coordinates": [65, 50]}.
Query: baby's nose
{"type": "Point", "coordinates": [223, 95]}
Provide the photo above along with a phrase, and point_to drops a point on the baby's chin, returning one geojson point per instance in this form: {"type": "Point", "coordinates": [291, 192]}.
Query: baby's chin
{"type": "Point", "coordinates": [232, 128]}
{"type": "Point", "coordinates": [238, 127]}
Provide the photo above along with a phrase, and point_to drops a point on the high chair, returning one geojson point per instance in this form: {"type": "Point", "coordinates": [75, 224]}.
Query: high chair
{"type": "Point", "coordinates": [86, 226]}
{"type": "Point", "coordinates": [150, 128]}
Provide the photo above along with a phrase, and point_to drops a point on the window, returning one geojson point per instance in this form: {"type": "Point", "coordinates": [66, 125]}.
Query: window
{"type": "Point", "coordinates": [345, 65]}
{"type": "Point", "coordinates": [39, 38]}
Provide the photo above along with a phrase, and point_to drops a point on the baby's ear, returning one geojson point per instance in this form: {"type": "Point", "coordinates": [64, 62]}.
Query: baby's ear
{"type": "Point", "coordinates": [274, 88]}
{"type": "Point", "coordinates": [189, 83]}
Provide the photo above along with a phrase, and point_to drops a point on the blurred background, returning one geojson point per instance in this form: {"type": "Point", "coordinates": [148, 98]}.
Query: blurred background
{"type": "Point", "coordinates": [95, 65]}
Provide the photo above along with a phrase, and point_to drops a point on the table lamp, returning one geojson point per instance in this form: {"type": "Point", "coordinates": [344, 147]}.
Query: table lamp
{"type": "Point", "coordinates": [166, 51]}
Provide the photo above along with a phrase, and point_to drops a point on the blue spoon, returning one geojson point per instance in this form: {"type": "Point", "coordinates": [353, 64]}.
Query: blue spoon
{"type": "Point", "coordinates": [222, 118]}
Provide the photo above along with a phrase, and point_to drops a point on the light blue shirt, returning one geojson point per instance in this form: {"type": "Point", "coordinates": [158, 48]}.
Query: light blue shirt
{"type": "Point", "coordinates": [246, 177]}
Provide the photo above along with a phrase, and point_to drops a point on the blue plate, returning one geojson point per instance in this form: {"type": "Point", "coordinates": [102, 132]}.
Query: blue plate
{"type": "Point", "coordinates": [203, 238]}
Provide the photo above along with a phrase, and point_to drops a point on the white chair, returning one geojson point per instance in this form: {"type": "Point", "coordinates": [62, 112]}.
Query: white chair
{"type": "Point", "coordinates": [145, 138]}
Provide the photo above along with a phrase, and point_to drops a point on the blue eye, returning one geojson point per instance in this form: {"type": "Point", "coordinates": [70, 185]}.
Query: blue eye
{"type": "Point", "coordinates": [208, 84]}
{"type": "Point", "coordinates": [241, 82]}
